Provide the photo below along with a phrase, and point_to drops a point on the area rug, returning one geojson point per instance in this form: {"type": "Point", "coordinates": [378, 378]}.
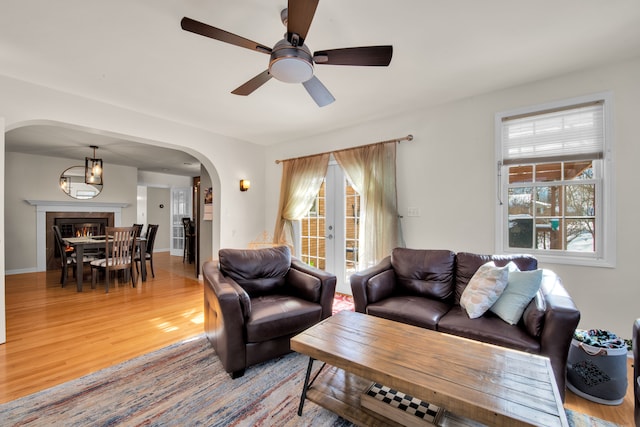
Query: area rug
{"type": "Point", "coordinates": [577, 419]}
{"type": "Point", "coordinates": [342, 302]}
{"type": "Point", "coordinates": [185, 385]}
{"type": "Point", "coordinates": [180, 385]}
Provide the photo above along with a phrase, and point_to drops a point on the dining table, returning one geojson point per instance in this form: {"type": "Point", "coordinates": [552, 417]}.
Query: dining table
{"type": "Point", "coordinates": [94, 242]}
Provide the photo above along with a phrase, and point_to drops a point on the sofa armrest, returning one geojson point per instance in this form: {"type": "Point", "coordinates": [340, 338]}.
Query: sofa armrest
{"type": "Point", "coordinates": [224, 317]}
{"type": "Point", "coordinates": [635, 343]}
{"type": "Point", "coordinates": [560, 322]}
{"type": "Point", "coordinates": [359, 281]}
{"type": "Point", "coordinates": [327, 284]}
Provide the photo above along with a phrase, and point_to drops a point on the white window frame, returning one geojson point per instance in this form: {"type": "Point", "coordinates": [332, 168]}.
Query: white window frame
{"type": "Point", "coordinates": [605, 254]}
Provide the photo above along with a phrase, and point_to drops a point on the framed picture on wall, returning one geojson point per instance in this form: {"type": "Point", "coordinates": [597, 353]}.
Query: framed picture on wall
{"type": "Point", "coordinates": [208, 204]}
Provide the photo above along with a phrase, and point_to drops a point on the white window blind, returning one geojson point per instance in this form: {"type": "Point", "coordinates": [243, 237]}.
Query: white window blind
{"type": "Point", "coordinates": [571, 133]}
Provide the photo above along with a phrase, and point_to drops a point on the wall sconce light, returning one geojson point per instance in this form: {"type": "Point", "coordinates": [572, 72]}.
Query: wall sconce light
{"type": "Point", "coordinates": [93, 169]}
{"type": "Point", "coordinates": [245, 184]}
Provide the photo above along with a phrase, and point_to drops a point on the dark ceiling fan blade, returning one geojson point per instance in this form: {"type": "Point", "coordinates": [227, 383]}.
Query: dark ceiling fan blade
{"type": "Point", "coordinates": [318, 92]}
{"type": "Point", "coordinates": [300, 15]}
{"type": "Point", "coordinates": [206, 30]}
{"type": "Point", "coordinates": [253, 84]}
{"type": "Point", "coordinates": [367, 55]}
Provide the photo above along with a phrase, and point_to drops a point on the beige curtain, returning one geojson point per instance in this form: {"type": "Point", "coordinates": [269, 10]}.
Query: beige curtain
{"type": "Point", "coordinates": [301, 181]}
{"type": "Point", "coordinates": [372, 172]}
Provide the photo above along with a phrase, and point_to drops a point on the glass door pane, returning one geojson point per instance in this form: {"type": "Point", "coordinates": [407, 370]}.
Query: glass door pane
{"type": "Point", "coordinates": [180, 208]}
{"type": "Point", "coordinates": [313, 247]}
{"type": "Point", "coordinates": [330, 230]}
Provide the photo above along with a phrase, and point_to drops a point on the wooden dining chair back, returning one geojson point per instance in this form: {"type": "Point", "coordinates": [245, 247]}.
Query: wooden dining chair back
{"type": "Point", "coordinates": [119, 247]}
{"type": "Point", "coordinates": [152, 230]}
{"type": "Point", "coordinates": [65, 260]}
{"type": "Point", "coordinates": [189, 236]}
{"type": "Point", "coordinates": [139, 228]}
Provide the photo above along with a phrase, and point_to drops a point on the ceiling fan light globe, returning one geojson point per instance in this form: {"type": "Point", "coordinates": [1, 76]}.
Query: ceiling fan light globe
{"type": "Point", "coordinates": [291, 70]}
{"type": "Point", "coordinates": [291, 64]}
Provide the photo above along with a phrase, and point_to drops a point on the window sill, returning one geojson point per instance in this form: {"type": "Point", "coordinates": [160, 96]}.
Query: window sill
{"type": "Point", "coordinates": [547, 258]}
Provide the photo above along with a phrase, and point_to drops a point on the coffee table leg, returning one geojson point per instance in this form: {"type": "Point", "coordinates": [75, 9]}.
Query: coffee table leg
{"type": "Point", "coordinates": [306, 386]}
{"type": "Point", "coordinates": [308, 383]}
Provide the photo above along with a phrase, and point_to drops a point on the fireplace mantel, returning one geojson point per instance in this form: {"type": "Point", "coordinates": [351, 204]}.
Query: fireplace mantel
{"type": "Point", "coordinates": [85, 205]}
{"type": "Point", "coordinates": [44, 206]}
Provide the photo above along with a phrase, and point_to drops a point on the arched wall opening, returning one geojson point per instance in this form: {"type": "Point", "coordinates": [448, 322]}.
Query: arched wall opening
{"type": "Point", "coordinates": [59, 143]}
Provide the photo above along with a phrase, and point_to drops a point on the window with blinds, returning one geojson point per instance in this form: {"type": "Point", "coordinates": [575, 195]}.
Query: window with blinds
{"type": "Point", "coordinates": [553, 181]}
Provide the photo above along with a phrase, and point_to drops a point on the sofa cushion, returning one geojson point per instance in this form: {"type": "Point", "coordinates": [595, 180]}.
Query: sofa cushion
{"type": "Point", "coordinates": [258, 271]}
{"type": "Point", "coordinates": [421, 272]}
{"type": "Point", "coordinates": [468, 263]}
{"type": "Point", "coordinates": [410, 309]}
{"type": "Point", "coordinates": [484, 288]}
{"type": "Point", "coordinates": [521, 288]}
{"type": "Point", "coordinates": [274, 316]}
{"type": "Point", "coordinates": [488, 328]}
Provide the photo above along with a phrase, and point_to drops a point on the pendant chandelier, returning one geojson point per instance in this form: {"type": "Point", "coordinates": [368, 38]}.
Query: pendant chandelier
{"type": "Point", "coordinates": [93, 168]}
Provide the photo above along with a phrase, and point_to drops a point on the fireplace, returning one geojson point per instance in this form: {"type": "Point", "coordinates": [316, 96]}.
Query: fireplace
{"type": "Point", "coordinates": [73, 224]}
{"type": "Point", "coordinates": [68, 209]}
{"type": "Point", "coordinates": [78, 227]}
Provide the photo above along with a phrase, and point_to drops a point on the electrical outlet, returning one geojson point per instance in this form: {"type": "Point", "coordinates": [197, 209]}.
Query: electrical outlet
{"type": "Point", "coordinates": [413, 211]}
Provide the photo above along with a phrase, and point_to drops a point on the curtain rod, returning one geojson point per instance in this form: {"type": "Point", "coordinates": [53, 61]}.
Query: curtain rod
{"type": "Point", "coordinates": [404, 138]}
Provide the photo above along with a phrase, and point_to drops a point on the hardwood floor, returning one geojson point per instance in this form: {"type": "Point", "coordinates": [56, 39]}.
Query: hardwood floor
{"type": "Point", "coordinates": [56, 334]}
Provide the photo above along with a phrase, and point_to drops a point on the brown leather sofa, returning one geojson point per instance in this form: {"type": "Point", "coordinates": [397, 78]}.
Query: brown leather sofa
{"type": "Point", "coordinates": [423, 288]}
{"type": "Point", "coordinates": [256, 300]}
{"type": "Point", "coordinates": [635, 339]}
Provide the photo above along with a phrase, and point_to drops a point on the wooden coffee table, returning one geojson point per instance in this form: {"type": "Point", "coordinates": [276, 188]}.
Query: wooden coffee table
{"type": "Point", "coordinates": [470, 380]}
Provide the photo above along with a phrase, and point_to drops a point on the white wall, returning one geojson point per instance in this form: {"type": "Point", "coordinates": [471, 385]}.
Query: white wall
{"type": "Point", "coordinates": [448, 172]}
{"type": "Point", "coordinates": [165, 180]}
{"type": "Point", "coordinates": [141, 202]}
{"type": "Point", "coordinates": [3, 324]}
{"type": "Point", "coordinates": [160, 216]}
{"type": "Point", "coordinates": [158, 190]}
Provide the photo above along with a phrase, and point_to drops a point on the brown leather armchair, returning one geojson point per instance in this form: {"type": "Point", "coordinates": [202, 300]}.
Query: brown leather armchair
{"type": "Point", "coordinates": [635, 338]}
{"type": "Point", "coordinates": [255, 300]}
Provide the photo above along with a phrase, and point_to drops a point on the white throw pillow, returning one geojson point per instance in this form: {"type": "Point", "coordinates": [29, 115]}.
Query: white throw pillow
{"type": "Point", "coordinates": [521, 288]}
{"type": "Point", "coordinates": [484, 288]}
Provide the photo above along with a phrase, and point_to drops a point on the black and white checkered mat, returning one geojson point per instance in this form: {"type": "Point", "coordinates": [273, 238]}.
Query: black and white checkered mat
{"type": "Point", "coordinates": [404, 402]}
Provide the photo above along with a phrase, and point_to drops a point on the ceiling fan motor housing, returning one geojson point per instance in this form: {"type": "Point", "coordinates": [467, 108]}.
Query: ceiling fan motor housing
{"type": "Point", "coordinates": [291, 64]}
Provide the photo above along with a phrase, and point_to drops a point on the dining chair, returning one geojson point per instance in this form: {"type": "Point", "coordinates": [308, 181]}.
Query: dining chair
{"type": "Point", "coordinates": [119, 246]}
{"type": "Point", "coordinates": [152, 229]}
{"type": "Point", "coordinates": [138, 228]}
{"type": "Point", "coordinates": [65, 260]}
{"type": "Point", "coordinates": [188, 239]}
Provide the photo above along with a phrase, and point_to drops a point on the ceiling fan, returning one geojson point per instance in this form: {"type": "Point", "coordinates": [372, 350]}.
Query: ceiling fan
{"type": "Point", "coordinates": [291, 60]}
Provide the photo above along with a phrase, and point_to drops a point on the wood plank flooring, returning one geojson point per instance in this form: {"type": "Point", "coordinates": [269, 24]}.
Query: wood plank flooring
{"type": "Point", "coordinates": [56, 334]}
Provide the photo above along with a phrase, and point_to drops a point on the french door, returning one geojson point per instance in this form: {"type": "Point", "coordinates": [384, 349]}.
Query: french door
{"type": "Point", "coordinates": [180, 208]}
{"type": "Point", "coordinates": [329, 233]}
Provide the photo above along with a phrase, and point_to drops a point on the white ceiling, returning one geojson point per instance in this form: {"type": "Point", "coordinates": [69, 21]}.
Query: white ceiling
{"type": "Point", "coordinates": [72, 143]}
{"type": "Point", "coordinates": [133, 53]}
